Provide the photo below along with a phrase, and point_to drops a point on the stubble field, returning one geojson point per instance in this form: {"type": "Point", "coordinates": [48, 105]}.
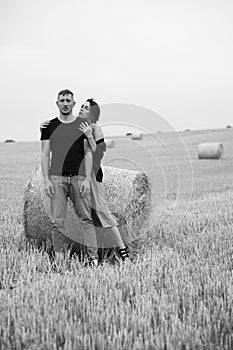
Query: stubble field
{"type": "Point", "coordinates": [178, 292]}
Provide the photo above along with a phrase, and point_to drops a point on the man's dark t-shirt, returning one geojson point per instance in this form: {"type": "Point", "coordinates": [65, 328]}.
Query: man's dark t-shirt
{"type": "Point", "coordinates": [67, 147]}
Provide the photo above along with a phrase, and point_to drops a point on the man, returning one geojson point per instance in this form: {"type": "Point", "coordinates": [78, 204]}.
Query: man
{"type": "Point", "coordinates": [66, 166]}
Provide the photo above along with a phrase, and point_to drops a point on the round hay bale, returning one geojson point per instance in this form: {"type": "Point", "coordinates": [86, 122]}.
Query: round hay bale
{"type": "Point", "coordinates": [212, 150]}
{"type": "Point", "coordinates": [129, 198]}
{"type": "Point", "coordinates": [136, 136]}
{"type": "Point", "coordinates": [110, 143]}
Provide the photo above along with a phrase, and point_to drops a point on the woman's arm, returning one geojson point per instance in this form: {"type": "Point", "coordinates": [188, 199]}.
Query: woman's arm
{"type": "Point", "coordinates": [88, 163]}
{"type": "Point", "coordinates": [100, 144]}
{"type": "Point", "coordinates": [98, 133]}
{"type": "Point", "coordinates": [87, 130]}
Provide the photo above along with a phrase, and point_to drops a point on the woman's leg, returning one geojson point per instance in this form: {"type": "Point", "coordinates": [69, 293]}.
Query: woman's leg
{"type": "Point", "coordinates": [106, 219]}
{"type": "Point", "coordinates": [118, 242]}
{"type": "Point", "coordinates": [116, 236]}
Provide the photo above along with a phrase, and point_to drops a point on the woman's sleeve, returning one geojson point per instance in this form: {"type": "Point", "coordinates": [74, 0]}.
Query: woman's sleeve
{"type": "Point", "coordinates": [100, 149]}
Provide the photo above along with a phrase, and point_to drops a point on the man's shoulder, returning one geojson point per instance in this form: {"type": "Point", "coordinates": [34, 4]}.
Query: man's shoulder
{"type": "Point", "coordinates": [78, 120]}
{"type": "Point", "coordinates": [48, 127]}
{"type": "Point", "coordinates": [53, 121]}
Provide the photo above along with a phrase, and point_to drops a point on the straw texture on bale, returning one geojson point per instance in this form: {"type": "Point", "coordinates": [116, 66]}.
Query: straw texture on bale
{"type": "Point", "coordinates": [110, 143]}
{"type": "Point", "coordinates": [212, 150]}
{"type": "Point", "coordinates": [136, 136]}
{"type": "Point", "coordinates": [128, 195]}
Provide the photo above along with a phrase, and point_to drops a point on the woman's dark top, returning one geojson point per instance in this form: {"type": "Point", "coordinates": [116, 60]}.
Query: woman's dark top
{"type": "Point", "coordinates": [97, 157]}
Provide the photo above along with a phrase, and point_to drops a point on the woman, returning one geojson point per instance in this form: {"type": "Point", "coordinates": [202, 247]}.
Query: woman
{"type": "Point", "coordinates": [103, 218]}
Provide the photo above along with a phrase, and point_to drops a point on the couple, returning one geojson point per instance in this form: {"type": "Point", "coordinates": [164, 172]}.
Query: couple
{"type": "Point", "coordinates": [72, 149]}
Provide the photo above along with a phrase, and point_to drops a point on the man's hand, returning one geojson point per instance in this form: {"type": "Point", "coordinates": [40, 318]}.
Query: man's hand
{"type": "Point", "coordinates": [85, 188]}
{"type": "Point", "coordinates": [86, 128]}
{"type": "Point", "coordinates": [48, 186]}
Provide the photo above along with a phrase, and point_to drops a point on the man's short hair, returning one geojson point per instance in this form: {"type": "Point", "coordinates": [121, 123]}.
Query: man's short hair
{"type": "Point", "coordinates": [95, 109]}
{"type": "Point", "coordinates": [65, 92]}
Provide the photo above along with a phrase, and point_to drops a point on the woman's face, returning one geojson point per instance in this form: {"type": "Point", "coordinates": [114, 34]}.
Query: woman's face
{"type": "Point", "coordinates": [85, 110]}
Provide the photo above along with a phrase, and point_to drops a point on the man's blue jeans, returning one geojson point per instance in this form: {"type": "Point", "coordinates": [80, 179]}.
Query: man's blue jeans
{"type": "Point", "coordinates": [65, 186]}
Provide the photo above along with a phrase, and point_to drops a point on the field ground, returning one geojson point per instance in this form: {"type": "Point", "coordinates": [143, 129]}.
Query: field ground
{"type": "Point", "coordinates": [177, 294]}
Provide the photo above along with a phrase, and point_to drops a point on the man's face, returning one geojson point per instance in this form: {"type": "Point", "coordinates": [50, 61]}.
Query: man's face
{"type": "Point", "coordinates": [65, 104]}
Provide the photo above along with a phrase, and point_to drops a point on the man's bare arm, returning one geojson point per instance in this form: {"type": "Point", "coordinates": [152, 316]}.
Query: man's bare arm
{"type": "Point", "coordinates": [45, 158]}
{"type": "Point", "coordinates": [45, 162]}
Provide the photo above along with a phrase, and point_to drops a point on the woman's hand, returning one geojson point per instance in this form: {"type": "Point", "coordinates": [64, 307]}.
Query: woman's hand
{"type": "Point", "coordinates": [86, 128]}
{"type": "Point", "coordinates": [44, 124]}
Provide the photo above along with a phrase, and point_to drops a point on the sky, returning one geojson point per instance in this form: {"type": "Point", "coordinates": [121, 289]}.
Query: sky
{"type": "Point", "coordinates": [151, 64]}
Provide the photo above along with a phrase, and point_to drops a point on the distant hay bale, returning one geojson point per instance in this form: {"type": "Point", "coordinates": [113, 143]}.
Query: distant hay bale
{"type": "Point", "coordinates": [136, 136]}
{"type": "Point", "coordinates": [128, 194]}
{"type": "Point", "coordinates": [212, 150]}
{"type": "Point", "coordinates": [110, 143]}
{"type": "Point", "coordinates": [9, 141]}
